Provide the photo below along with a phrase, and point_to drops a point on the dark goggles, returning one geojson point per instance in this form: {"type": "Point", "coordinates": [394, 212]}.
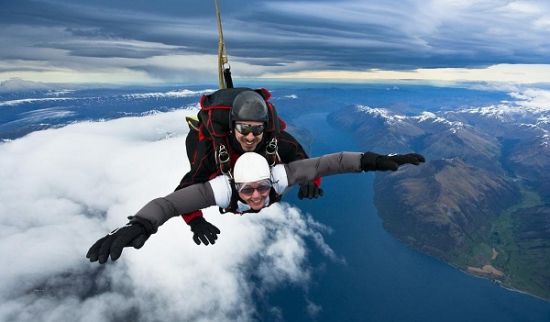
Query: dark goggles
{"type": "Point", "coordinates": [245, 129]}
{"type": "Point", "coordinates": [262, 188]}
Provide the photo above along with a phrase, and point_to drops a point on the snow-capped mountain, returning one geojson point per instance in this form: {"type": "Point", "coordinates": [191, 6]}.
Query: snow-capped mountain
{"type": "Point", "coordinates": [25, 107]}
{"type": "Point", "coordinates": [485, 185]}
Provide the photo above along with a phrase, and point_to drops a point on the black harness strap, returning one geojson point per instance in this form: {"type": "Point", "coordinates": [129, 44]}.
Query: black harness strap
{"type": "Point", "coordinates": [227, 78]}
{"type": "Point", "coordinates": [271, 149]}
{"type": "Point", "coordinates": [234, 198]}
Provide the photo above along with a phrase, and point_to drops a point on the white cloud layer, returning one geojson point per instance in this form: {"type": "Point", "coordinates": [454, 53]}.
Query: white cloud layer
{"type": "Point", "coordinates": [62, 189]}
{"type": "Point", "coordinates": [503, 73]}
{"type": "Point", "coordinates": [171, 94]}
{"type": "Point", "coordinates": [34, 100]}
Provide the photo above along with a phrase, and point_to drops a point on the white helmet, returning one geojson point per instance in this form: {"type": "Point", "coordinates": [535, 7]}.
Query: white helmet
{"type": "Point", "coordinates": [251, 167]}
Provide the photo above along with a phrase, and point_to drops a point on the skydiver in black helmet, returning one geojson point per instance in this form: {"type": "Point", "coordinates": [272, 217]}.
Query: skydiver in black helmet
{"type": "Point", "coordinates": [249, 130]}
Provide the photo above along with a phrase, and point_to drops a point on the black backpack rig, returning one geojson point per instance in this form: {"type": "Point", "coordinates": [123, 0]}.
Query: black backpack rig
{"type": "Point", "coordinates": [213, 124]}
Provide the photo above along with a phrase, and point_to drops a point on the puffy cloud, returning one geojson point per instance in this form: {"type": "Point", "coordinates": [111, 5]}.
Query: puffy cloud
{"type": "Point", "coordinates": [64, 188]}
{"type": "Point", "coordinates": [533, 99]}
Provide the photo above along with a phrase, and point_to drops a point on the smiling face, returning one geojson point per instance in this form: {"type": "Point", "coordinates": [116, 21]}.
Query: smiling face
{"type": "Point", "coordinates": [248, 142]}
{"type": "Point", "coordinates": [255, 194]}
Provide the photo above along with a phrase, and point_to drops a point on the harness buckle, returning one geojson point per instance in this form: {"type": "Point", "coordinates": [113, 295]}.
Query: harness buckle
{"type": "Point", "coordinates": [223, 160]}
{"type": "Point", "coordinates": [271, 151]}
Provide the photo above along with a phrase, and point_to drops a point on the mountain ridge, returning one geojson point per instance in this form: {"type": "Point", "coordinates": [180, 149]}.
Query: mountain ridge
{"type": "Point", "coordinates": [467, 205]}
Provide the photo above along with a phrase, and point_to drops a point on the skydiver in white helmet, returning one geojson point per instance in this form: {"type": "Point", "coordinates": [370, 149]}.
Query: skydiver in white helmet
{"type": "Point", "coordinates": [254, 186]}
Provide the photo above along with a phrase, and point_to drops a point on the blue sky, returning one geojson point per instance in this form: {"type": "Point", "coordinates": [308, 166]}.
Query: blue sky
{"type": "Point", "coordinates": [170, 41]}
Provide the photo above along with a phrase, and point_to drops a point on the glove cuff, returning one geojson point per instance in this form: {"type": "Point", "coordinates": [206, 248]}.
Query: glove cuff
{"type": "Point", "coordinates": [146, 224]}
{"type": "Point", "coordinates": [317, 182]}
{"type": "Point", "coordinates": [197, 221]}
{"type": "Point", "coordinates": [368, 161]}
{"type": "Point", "coordinates": [191, 216]}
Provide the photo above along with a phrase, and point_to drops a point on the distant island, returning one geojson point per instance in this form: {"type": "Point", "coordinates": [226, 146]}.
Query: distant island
{"type": "Point", "coordinates": [482, 201]}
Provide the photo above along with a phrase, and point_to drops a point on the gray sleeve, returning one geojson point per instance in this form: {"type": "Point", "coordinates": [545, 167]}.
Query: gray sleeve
{"type": "Point", "coordinates": [302, 171]}
{"type": "Point", "coordinates": [188, 199]}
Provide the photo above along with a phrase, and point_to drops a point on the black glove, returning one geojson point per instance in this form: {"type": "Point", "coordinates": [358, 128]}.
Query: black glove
{"type": "Point", "coordinates": [133, 234]}
{"type": "Point", "coordinates": [203, 231]}
{"type": "Point", "coordinates": [372, 161]}
{"type": "Point", "coordinates": [412, 158]}
{"type": "Point", "coordinates": [310, 191]}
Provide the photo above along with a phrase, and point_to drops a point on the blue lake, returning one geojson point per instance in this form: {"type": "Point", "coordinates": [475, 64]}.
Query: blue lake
{"type": "Point", "coordinates": [382, 279]}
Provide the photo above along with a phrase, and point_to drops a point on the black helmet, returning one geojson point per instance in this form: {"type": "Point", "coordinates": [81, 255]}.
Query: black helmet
{"type": "Point", "coordinates": [249, 106]}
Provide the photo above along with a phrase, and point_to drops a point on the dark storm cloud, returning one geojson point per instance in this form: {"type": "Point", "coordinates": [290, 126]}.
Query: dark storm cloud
{"type": "Point", "coordinates": [112, 50]}
{"type": "Point", "coordinates": [178, 23]}
{"type": "Point", "coordinates": [103, 22]}
{"type": "Point", "coordinates": [346, 35]}
{"type": "Point", "coordinates": [403, 36]}
{"type": "Point", "coordinates": [13, 69]}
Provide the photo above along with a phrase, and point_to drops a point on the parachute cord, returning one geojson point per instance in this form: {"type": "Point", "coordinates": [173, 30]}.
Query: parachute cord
{"type": "Point", "coordinates": [223, 80]}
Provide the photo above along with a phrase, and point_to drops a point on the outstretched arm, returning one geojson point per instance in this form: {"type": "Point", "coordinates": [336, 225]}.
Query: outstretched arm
{"type": "Point", "coordinates": [345, 162]}
{"type": "Point", "coordinates": [147, 220]}
{"type": "Point", "coordinates": [301, 171]}
{"type": "Point", "coordinates": [188, 199]}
